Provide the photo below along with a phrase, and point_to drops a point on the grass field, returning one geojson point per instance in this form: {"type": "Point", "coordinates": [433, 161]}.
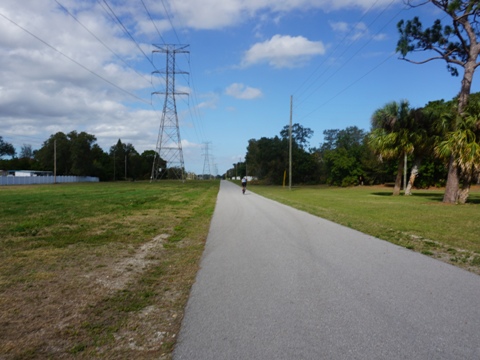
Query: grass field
{"type": "Point", "coordinates": [421, 222]}
{"type": "Point", "coordinates": [99, 270]}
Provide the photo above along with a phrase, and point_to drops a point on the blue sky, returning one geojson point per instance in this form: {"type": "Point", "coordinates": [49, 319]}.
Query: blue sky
{"type": "Point", "coordinates": [69, 65]}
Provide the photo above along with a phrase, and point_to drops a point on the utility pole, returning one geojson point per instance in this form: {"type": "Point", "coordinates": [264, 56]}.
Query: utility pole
{"type": "Point", "coordinates": [169, 146]}
{"type": "Point", "coordinates": [290, 147]}
{"type": "Point", "coordinates": [114, 159]}
{"type": "Point", "coordinates": [55, 161]}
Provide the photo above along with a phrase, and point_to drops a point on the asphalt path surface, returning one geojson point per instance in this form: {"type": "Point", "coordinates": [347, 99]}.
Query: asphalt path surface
{"type": "Point", "coordinates": [278, 283]}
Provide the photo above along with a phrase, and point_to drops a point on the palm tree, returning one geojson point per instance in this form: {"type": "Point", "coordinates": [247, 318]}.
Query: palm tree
{"type": "Point", "coordinates": [462, 144]}
{"type": "Point", "coordinates": [421, 135]}
{"type": "Point", "coordinates": [390, 138]}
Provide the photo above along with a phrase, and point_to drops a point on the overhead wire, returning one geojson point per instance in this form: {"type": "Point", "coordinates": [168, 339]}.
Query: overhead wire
{"type": "Point", "coordinates": [74, 61]}
{"type": "Point", "coordinates": [348, 86]}
{"type": "Point", "coordinates": [128, 32]}
{"type": "Point", "coordinates": [298, 106]}
{"type": "Point", "coordinates": [346, 36]}
{"type": "Point", "coordinates": [153, 22]}
{"type": "Point", "coordinates": [195, 115]}
{"type": "Point", "coordinates": [169, 17]}
{"type": "Point", "coordinates": [170, 20]}
{"type": "Point", "coordinates": [100, 41]}
{"type": "Point", "coordinates": [114, 18]}
{"type": "Point", "coordinates": [156, 28]}
{"type": "Point", "coordinates": [352, 56]}
{"type": "Point", "coordinates": [298, 103]}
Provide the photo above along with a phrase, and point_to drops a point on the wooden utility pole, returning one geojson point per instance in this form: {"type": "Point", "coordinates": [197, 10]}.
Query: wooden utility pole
{"type": "Point", "coordinates": [290, 147]}
{"type": "Point", "coordinates": [55, 161]}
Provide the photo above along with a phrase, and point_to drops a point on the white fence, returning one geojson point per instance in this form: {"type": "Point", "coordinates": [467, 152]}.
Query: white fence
{"type": "Point", "coordinates": [30, 180]}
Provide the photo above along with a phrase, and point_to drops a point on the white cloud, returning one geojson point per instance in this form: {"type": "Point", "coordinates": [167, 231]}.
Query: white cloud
{"type": "Point", "coordinates": [209, 101]}
{"type": "Point", "coordinates": [217, 14]}
{"type": "Point", "coordinates": [189, 145]}
{"type": "Point", "coordinates": [283, 51]}
{"type": "Point", "coordinates": [240, 91]}
{"type": "Point", "coordinates": [354, 32]}
{"type": "Point", "coordinates": [339, 26]}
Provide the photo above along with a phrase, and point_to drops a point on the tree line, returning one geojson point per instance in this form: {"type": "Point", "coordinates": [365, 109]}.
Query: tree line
{"type": "Point", "coordinates": [78, 154]}
{"type": "Point", "coordinates": [424, 139]}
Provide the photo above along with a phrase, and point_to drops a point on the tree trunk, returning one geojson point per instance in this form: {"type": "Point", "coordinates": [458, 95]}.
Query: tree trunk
{"type": "Point", "coordinates": [398, 180]}
{"type": "Point", "coordinates": [451, 195]}
{"type": "Point", "coordinates": [466, 180]}
{"type": "Point", "coordinates": [451, 188]}
{"type": "Point", "coordinates": [464, 192]}
{"type": "Point", "coordinates": [413, 175]}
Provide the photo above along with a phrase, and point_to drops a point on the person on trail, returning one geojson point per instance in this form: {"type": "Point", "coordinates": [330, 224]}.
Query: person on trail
{"type": "Point", "coordinates": [244, 184]}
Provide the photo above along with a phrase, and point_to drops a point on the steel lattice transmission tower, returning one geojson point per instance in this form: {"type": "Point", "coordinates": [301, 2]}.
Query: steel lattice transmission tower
{"type": "Point", "coordinates": [169, 146]}
{"type": "Point", "coordinates": [206, 162]}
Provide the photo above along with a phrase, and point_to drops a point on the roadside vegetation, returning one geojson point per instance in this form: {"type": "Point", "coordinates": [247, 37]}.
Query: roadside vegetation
{"type": "Point", "coordinates": [99, 271]}
{"type": "Point", "coordinates": [421, 222]}
{"type": "Point", "coordinates": [404, 144]}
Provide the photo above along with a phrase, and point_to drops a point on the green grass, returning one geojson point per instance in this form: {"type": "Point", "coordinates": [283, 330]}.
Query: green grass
{"type": "Point", "coordinates": [60, 245]}
{"type": "Point", "coordinates": [421, 222]}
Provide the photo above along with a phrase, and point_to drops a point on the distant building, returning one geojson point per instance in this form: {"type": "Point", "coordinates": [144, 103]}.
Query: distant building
{"type": "Point", "coordinates": [29, 173]}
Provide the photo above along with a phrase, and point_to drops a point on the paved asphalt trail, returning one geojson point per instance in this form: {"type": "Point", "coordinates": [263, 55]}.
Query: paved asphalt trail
{"type": "Point", "coordinates": [278, 283]}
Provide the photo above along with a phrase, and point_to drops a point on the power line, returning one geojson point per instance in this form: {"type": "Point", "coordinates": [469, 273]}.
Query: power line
{"type": "Point", "coordinates": [128, 33]}
{"type": "Point", "coordinates": [310, 77]}
{"type": "Point", "coordinates": [345, 50]}
{"type": "Point", "coordinates": [100, 41]}
{"type": "Point", "coordinates": [171, 22]}
{"type": "Point", "coordinates": [195, 115]}
{"type": "Point", "coordinates": [349, 86]}
{"type": "Point", "coordinates": [344, 64]}
{"type": "Point", "coordinates": [74, 61]}
{"type": "Point", "coordinates": [350, 58]}
{"type": "Point", "coordinates": [153, 22]}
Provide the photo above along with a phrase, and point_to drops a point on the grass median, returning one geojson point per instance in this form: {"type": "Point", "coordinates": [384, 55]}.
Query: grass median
{"type": "Point", "coordinates": [99, 270]}
{"type": "Point", "coordinates": [421, 222]}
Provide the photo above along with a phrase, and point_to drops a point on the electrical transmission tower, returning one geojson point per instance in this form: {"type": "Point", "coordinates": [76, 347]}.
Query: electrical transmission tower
{"type": "Point", "coordinates": [206, 162]}
{"type": "Point", "coordinates": [168, 153]}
